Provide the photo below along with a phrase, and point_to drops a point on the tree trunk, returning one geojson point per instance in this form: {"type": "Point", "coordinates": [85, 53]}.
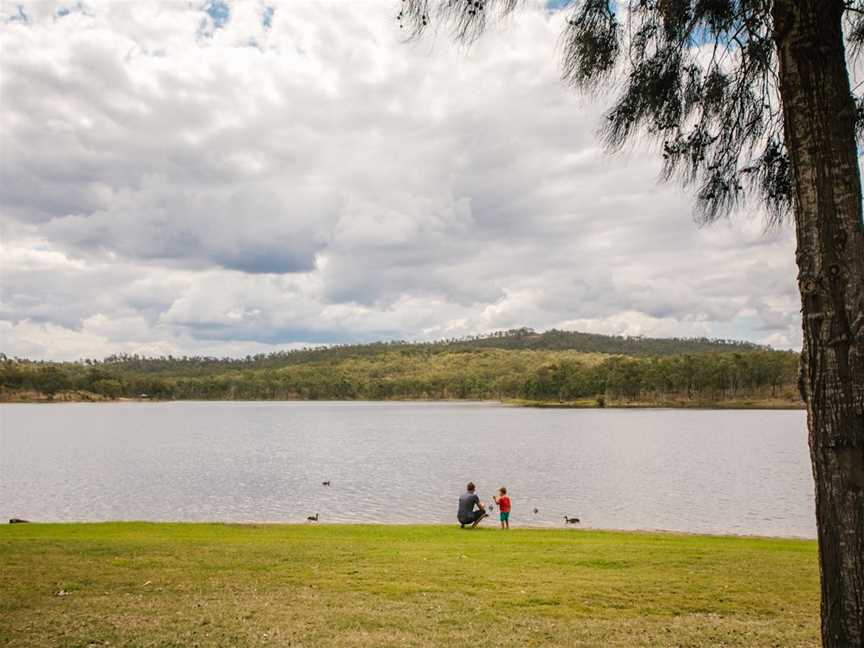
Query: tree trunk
{"type": "Point", "coordinates": [819, 116]}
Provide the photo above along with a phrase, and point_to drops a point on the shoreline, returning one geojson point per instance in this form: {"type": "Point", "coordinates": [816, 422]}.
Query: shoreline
{"type": "Point", "coordinates": [492, 526]}
{"type": "Point", "coordinates": [736, 404]}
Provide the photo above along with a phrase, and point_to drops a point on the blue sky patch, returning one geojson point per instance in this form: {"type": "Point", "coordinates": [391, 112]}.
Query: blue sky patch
{"type": "Point", "coordinates": [62, 12]}
{"type": "Point", "coordinates": [19, 16]}
{"type": "Point", "coordinates": [219, 11]}
{"type": "Point", "coordinates": [267, 17]}
{"type": "Point", "coordinates": [557, 5]}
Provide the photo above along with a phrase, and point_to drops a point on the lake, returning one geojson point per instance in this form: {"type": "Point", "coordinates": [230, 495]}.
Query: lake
{"type": "Point", "coordinates": [705, 471]}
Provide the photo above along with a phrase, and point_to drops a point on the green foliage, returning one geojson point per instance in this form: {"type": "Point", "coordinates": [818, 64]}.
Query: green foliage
{"type": "Point", "coordinates": [518, 364]}
{"type": "Point", "coordinates": [48, 379]}
{"type": "Point", "coordinates": [523, 338]}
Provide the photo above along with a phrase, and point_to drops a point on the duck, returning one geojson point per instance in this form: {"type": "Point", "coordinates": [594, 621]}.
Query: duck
{"type": "Point", "coordinates": [312, 518]}
{"type": "Point", "coordinates": [325, 483]}
{"type": "Point", "coordinates": [571, 520]}
{"type": "Point", "coordinates": [536, 511]}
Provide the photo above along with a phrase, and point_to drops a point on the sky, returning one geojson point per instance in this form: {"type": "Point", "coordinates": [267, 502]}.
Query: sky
{"type": "Point", "coordinates": [226, 177]}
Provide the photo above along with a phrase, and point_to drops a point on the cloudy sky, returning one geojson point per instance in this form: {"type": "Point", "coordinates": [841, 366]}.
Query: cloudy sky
{"type": "Point", "coordinates": [233, 177]}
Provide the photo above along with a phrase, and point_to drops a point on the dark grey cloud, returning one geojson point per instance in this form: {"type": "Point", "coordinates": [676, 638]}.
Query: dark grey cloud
{"type": "Point", "coordinates": [242, 227]}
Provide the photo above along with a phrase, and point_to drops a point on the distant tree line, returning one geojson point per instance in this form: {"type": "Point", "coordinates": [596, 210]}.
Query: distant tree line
{"type": "Point", "coordinates": [421, 372]}
{"type": "Point", "coordinates": [521, 339]}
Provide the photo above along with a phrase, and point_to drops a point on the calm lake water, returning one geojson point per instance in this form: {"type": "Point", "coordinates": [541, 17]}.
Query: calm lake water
{"type": "Point", "coordinates": [742, 472]}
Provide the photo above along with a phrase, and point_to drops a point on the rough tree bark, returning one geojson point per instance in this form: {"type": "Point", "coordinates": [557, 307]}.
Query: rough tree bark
{"type": "Point", "coordinates": [819, 123]}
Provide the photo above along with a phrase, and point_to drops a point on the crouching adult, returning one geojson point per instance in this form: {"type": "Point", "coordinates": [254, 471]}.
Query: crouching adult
{"type": "Point", "coordinates": [471, 509]}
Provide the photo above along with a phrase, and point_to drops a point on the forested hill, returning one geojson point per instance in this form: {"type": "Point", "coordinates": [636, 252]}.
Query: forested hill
{"type": "Point", "coordinates": [551, 367]}
{"type": "Point", "coordinates": [521, 339]}
{"type": "Point", "coordinates": [557, 340]}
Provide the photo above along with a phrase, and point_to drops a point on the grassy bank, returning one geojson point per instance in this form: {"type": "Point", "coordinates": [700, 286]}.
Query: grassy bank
{"type": "Point", "coordinates": [207, 585]}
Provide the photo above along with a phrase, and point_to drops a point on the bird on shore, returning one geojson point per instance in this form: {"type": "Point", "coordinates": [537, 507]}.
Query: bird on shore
{"type": "Point", "coordinates": [571, 520]}
{"type": "Point", "coordinates": [312, 518]}
{"type": "Point", "coordinates": [325, 483]}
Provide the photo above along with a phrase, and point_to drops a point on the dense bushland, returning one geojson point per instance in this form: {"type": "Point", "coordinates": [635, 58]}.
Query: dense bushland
{"type": "Point", "coordinates": [517, 365]}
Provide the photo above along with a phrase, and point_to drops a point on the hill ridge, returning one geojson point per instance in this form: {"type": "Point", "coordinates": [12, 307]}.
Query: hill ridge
{"type": "Point", "coordinates": [523, 338]}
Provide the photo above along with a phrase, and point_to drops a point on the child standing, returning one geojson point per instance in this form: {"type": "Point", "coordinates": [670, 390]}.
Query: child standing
{"type": "Point", "coordinates": [503, 503]}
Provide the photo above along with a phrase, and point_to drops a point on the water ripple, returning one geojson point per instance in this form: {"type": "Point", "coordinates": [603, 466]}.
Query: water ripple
{"type": "Point", "coordinates": [742, 472]}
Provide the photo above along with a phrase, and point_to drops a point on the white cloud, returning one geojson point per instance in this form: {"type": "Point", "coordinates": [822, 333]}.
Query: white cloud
{"type": "Point", "coordinates": [170, 184]}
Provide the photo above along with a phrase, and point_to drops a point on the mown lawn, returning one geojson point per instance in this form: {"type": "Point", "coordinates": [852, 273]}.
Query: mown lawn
{"type": "Point", "coordinates": [207, 585]}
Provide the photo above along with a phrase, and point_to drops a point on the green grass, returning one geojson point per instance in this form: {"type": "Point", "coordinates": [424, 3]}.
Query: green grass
{"type": "Point", "coordinates": [207, 585]}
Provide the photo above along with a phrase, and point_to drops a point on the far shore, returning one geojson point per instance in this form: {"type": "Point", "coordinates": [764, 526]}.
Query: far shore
{"type": "Point", "coordinates": [743, 403]}
{"type": "Point", "coordinates": [30, 397]}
